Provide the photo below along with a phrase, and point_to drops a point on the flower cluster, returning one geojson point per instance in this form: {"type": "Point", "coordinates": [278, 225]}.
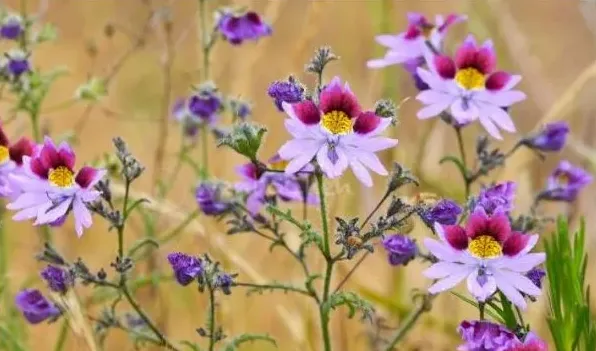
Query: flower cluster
{"type": "Point", "coordinates": [483, 335]}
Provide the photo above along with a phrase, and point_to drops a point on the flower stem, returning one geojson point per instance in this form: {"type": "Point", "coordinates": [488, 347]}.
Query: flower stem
{"type": "Point", "coordinates": [410, 321]}
{"type": "Point", "coordinates": [205, 151]}
{"type": "Point", "coordinates": [329, 266]}
{"type": "Point", "coordinates": [212, 339]}
{"type": "Point", "coordinates": [462, 151]}
{"type": "Point", "coordinates": [62, 336]}
{"type": "Point", "coordinates": [481, 310]}
{"type": "Point", "coordinates": [205, 42]}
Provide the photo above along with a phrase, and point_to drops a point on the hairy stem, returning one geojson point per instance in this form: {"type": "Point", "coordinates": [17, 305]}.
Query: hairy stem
{"type": "Point", "coordinates": [481, 306]}
{"type": "Point", "coordinates": [324, 222]}
{"type": "Point", "coordinates": [284, 288]}
{"type": "Point", "coordinates": [205, 41]}
{"type": "Point", "coordinates": [212, 339]}
{"type": "Point", "coordinates": [462, 152]}
{"type": "Point", "coordinates": [329, 266]}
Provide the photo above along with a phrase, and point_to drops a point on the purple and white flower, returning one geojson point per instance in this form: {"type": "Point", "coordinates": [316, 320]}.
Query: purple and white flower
{"type": "Point", "coordinates": [50, 188]}
{"type": "Point", "coordinates": [237, 28]}
{"type": "Point", "coordinates": [486, 252]}
{"type": "Point", "coordinates": [470, 88]}
{"type": "Point", "coordinates": [412, 44]}
{"type": "Point", "coordinates": [35, 307]}
{"type": "Point", "coordinates": [11, 162]}
{"type": "Point", "coordinates": [565, 183]}
{"type": "Point", "coordinates": [337, 133]}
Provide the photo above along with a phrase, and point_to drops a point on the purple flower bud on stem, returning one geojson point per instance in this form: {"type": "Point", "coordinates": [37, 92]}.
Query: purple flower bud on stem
{"type": "Point", "coordinates": [35, 307]}
{"type": "Point", "coordinates": [536, 275]}
{"type": "Point", "coordinates": [401, 249]}
{"type": "Point", "coordinates": [551, 138]}
{"type": "Point", "coordinates": [285, 91]}
{"type": "Point", "coordinates": [58, 279]}
{"type": "Point", "coordinates": [209, 199]}
{"type": "Point", "coordinates": [11, 27]}
{"type": "Point", "coordinates": [186, 268]}
{"type": "Point", "coordinates": [444, 212]}
{"type": "Point", "coordinates": [237, 28]}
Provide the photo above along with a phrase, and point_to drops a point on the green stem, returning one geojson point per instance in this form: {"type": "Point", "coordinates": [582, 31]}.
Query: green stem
{"type": "Point", "coordinates": [211, 319]}
{"type": "Point", "coordinates": [329, 266]}
{"type": "Point", "coordinates": [62, 336]}
{"type": "Point", "coordinates": [205, 45]}
{"type": "Point", "coordinates": [284, 288]}
{"type": "Point", "coordinates": [462, 151]}
{"type": "Point", "coordinates": [481, 306]}
{"type": "Point", "coordinates": [205, 151]}
{"type": "Point", "coordinates": [122, 225]}
{"type": "Point", "coordinates": [408, 323]}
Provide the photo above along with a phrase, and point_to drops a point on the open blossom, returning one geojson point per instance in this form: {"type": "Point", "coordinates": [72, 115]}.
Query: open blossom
{"type": "Point", "coordinates": [237, 28]}
{"type": "Point", "coordinates": [498, 197]}
{"type": "Point", "coordinates": [186, 268]}
{"type": "Point", "coordinates": [531, 343]}
{"type": "Point", "coordinates": [50, 188]}
{"type": "Point", "coordinates": [486, 252]}
{"type": "Point", "coordinates": [470, 87]}
{"type": "Point", "coordinates": [11, 162]}
{"type": "Point", "coordinates": [565, 183]}
{"type": "Point", "coordinates": [270, 186]}
{"type": "Point", "coordinates": [552, 137]}
{"type": "Point", "coordinates": [17, 63]}
{"type": "Point", "coordinates": [11, 27]}
{"type": "Point", "coordinates": [337, 133]}
{"type": "Point", "coordinates": [210, 200]}
{"type": "Point", "coordinates": [484, 336]}
{"type": "Point", "coordinates": [35, 307]}
{"type": "Point", "coordinates": [411, 44]}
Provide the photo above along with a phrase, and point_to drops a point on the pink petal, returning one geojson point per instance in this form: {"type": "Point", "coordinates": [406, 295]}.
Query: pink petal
{"type": "Point", "coordinates": [497, 80]}
{"type": "Point", "coordinates": [334, 98]}
{"type": "Point", "coordinates": [85, 176]}
{"type": "Point", "coordinates": [451, 20]}
{"type": "Point", "coordinates": [412, 32]}
{"type": "Point", "coordinates": [366, 122]}
{"type": "Point", "coordinates": [515, 243]}
{"type": "Point", "coordinates": [456, 237]}
{"type": "Point", "coordinates": [485, 60]}
{"type": "Point", "coordinates": [465, 55]}
{"type": "Point", "coordinates": [307, 112]}
{"type": "Point", "coordinates": [444, 66]}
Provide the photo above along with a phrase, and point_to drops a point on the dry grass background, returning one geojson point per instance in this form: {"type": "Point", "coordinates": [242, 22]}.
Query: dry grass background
{"type": "Point", "coordinates": [552, 44]}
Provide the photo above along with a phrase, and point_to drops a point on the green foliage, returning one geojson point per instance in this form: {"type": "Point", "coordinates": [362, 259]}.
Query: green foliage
{"type": "Point", "coordinates": [93, 90]}
{"type": "Point", "coordinates": [235, 342]}
{"type": "Point", "coordinates": [570, 320]}
{"type": "Point", "coordinates": [307, 234]}
{"type": "Point", "coordinates": [352, 301]}
{"type": "Point", "coordinates": [245, 139]}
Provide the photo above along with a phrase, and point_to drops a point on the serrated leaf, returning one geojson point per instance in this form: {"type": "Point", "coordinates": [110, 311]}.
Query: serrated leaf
{"type": "Point", "coordinates": [352, 301]}
{"type": "Point", "coordinates": [235, 342]}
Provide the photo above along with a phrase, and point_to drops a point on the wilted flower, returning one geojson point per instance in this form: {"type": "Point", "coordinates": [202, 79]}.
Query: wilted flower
{"type": "Point", "coordinates": [337, 133]}
{"type": "Point", "coordinates": [50, 188]}
{"type": "Point", "coordinates": [209, 199]}
{"type": "Point", "coordinates": [290, 91]}
{"type": "Point", "coordinates": [412, 43]}
{"type": "Point", "coordinates": [497, 198]}
{"type": "Point", "coordinates": [269, 186]}
{"type": "Point", "coordinates": [536, 275]}
{"type": "Point", "coordinates": [552, 137]}
{"type": "Point", "coordinates": [11, 27]}
{"type": "Point", "coordinates": [444, 212]}
{"type": "Point", "coordinates": [186, 268]}
{"type": "Point", "coordinates": [484, 336]}
{"type": "Point", "coordinates": [58, 279]}
{"type": "Point", "coordinates": [11, 161]}
{"type": "Point", "coordinates": [470, 88]}
{"type": "Point", "coordinates": [401, 249]}
{"type": "Point", "coordinates": [35, 307]}
{"type": "Point", "coordinates": [565, 183]}
{"type": "Point", "coordinates": [237, 28]}
{"type": "Point", "coordinates": [488, 254]}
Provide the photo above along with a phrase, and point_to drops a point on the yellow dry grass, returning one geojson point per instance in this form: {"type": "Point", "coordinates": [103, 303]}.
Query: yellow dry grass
{"type": "Point", "coordinates": [548, 42]}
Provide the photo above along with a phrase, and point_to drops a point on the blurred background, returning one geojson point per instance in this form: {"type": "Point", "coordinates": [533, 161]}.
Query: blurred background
{"type": "Point", "coordinates": [551, 43]}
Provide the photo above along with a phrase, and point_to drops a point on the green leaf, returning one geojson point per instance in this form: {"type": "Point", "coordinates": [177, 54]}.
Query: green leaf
{"type": "Point", "coordinates": [234, 343]}
{"type": "Point", "coordinates": [245, 138]}
{"type": "Point", "coordinates": [93, 90]}
{"type": "Point", "coordinates": [47, 33]}
{"type": "Point", "coordinates": [191, 345]}
{"type": "Point", "coordinates": [489, 311]}
{"type": "Point", "coordinates": [352, 301]}
{"type": "Point", "coordinates": [457, 162]}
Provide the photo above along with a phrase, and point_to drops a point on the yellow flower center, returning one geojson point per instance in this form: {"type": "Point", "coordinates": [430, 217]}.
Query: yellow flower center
{"type": "Point", "coordinates": [61, 177]}
{"type": "Point", "coordinates": [470, 78]}
{"type": "Point", "coordinates": [485, 246]}
{"type": "Point", "coordinates": [279, 165]}
{"type": "Point", "coordinates": [4, 154]}
{"type": "Point", "coordinates": [337, 122]}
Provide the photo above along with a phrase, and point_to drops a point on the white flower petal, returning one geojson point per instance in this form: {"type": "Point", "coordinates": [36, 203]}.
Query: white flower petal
{"type": "Point", "coordinates": [371, 161]}
{"type": "Point", "coordinates": [441, 251]}
{"type": "Point", "coordinates": [450, 281]}
{"type": "Point", "coordinates": [490, 127]}
{"type": "Point", "coordinates": [481, 292]}
{"type": "Point", "coordinates": [519, 282]}
{"type": "Point", "coordinates": [509, 291]}
{"type": "Point", "coordinates": [521, 264]}
{"type": "Point", "coordinates": [361, 173]}
{"type": "Point", "coordinates": [442, 269]}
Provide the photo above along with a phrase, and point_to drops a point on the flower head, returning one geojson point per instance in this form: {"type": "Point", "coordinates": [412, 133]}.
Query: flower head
{"type": "Point", "coordinates": [552, 137]}
{"type": "Point", "coordinates": [204, 106]}
{"type": "Point", "coordinates": [486, 252]}
{"type": "Point", "coordinates": [444, 212]}
{"type": "Point", "coordinates": [186, 268]}
{"type": "Point", "coordinates": [270, 186]}
{"type": "Point", "coordinates": [11, 27]}
{"type": "Point", "coordinates": [58, 279]}
{"type": "Point", "coordinates": [401, 249]}
{"type": "Point", "coordinates": [237, 28]}
{"type": "Point", "coordinates": [565, 183]}
{"type": "Point", "coordinates": [337, 133]}
{"type": "Point", "coordinates": [35, 307]}
{"type": "Point", "coordinates": [209, 199]}
{"type": "Point", "coordinates": [11, 162]}
{"type": "Point", "coordinates": [412, 44]}
{"type": "Point", "coordinates": [17, 64]}
{"type": "Point", "coordinates": [290, 91]}
{"type": "Point", "coordinates": [484, 336]}
{"type": "Point", "coordinates": [497, 198]}
{"type": "Point", "coordinates": [50, 187]}
{"type": "Point", "coordinates": [470, 87]}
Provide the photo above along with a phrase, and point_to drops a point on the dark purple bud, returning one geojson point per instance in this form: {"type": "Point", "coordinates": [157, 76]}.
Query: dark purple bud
{"type": "Point", "coordinates": [536, 275]}
{"type": "Point", "coordinates": [186, 268]}
{"type": "Point", "coordinates": [444, 212]}
{"type": "Point", "coordinates": [11, 27]}
{"type": "Point", "coordinates": [290, 91]}
{"type": "Point", "coordinates": [58, 279]}
{"type": "Point", "coordinates": [205, 106]}
{"type": "Point", "coordinates": [17, 66]}
{"type": "Point", "coordinates": [224, 282]}
{"type": "Point", "coordinates": [209, 199]}
{"type": "Point", "coordinates": [401, 249]}
{"type": "Point", "coordinates": [237, 28]}
{"type": "Point", "coordinates": [497, 198]}
{"type": "Point", "coordinates": [35, 307]}
{"type": "Point", "coordinates": [551, 138]}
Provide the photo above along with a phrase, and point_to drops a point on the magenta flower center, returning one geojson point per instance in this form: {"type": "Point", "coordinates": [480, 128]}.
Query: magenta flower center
{"type": "Point", "coordinates": [485, 246]}
{"type": "Point", "coordinates": [470, 78]}
{"type": "Point", "coordinates": [61, 177]}
{"type": "Point", "coordinates": [4, 154]}
{"type": "Point", "coordinates": [337, 122]}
